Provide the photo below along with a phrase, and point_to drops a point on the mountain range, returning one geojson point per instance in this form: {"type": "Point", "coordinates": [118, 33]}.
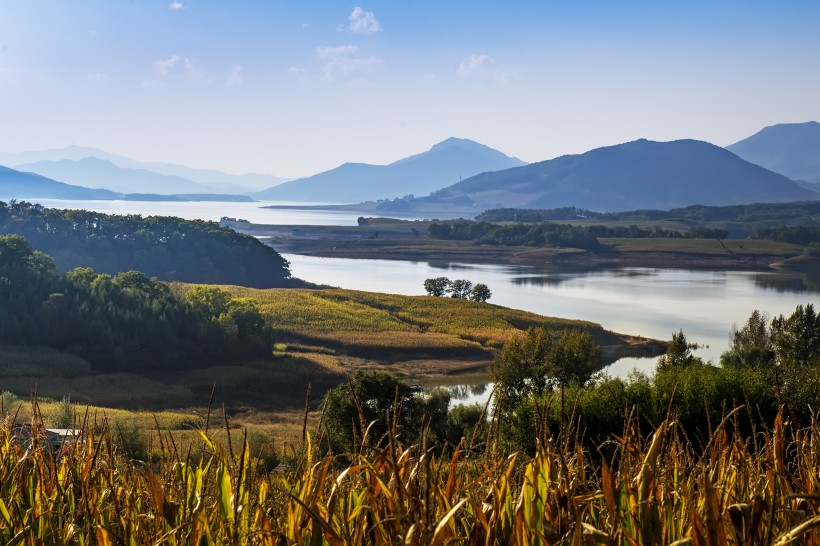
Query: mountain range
{"type": "Point", "coordinates": [792, 149]}
{"type": "Point", "coordinates": [16, 185]}
{"type": "Point", "coordinates": [93, 167]}
{"type": "Point", "coordinates": [634, 175]}
{"type": "Point", "coordinates": [465, 175]}
{"type": "Point", "coordinates": [445, 163]}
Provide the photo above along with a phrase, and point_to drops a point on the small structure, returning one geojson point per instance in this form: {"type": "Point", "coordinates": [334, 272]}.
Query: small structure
{"type": "Point", "coordinates": [51, 438]}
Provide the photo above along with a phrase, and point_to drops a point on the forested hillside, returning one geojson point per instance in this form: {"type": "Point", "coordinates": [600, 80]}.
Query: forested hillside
{"type": "Point", "coordinates": [125, 322]}
{"type": "Point", "coordinates": [167, 248]}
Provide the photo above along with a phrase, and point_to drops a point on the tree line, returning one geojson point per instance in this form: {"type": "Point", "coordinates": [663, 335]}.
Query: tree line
{"type": "Point", "coordinates": [554, 234]}
{"type": "Point", "coordinates": [167, 248]}
{"type": "Point", "coordinates": [546, 383]}
{"type": "Point", "coordinates": [458, 288]}
{"type": "Point", "coordinates": [123, 322]}
{"type": "Point", "coordinates": [805, 213]}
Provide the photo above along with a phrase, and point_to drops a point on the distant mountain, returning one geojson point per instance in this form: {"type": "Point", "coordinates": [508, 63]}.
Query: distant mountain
{"type": "Point", "coordinates": [22, 185]}
{"type": "Point", "coordinates": [94, 172]}
{"type": "Point", "coordinates": [219, 181]}
{"type": "Point", "coordinates": [216, 181]}
{"type": "Point", "coordinates": [634, 175]}
{"type": "Point", "coordinates": [445, 163]}
{"type": "Point", "coordinates": [792, 149]}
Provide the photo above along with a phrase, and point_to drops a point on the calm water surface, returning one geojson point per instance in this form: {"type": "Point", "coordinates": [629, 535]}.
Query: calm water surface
{"type": "Point", "coordinates": [648, 302]}
{"type": "Point", "coordinates": [214, 210]}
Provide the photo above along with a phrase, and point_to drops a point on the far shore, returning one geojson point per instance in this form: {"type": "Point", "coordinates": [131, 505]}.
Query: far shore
{"type": "Point", "coordinates": [406, 240]}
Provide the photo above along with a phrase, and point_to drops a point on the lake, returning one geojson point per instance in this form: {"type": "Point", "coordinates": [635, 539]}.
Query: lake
{"type": "Point", "coordinates": [643, 301]}
{"type": "Point", "coordinates": [214, 210]}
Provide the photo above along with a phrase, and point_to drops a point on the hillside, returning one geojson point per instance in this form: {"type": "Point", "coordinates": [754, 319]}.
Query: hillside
{"type": "Point", "coordinates": [639, 174]}
{"type": "Point", "coordinates": [91, 171]}
{"type": "Point", "coordinates": [442, 165]}
{"type": "Point", "coordinates": [216, 181]}
{"type": "Point", "coordinates": [168, 248]}
{"type": "Point", "coordinates": [15, 184]}
{"type": "Point", "coordinates": [791, 149]}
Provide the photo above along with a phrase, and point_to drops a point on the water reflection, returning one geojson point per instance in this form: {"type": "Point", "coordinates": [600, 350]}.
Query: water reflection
{"type": "Point", "coordinates": [642, 301]}
{"type": "Point", "coordinates": [785, 282]}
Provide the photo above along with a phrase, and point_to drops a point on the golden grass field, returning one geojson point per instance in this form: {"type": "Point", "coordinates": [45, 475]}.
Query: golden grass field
{"type": "Point", "coordinates": [761, 490]}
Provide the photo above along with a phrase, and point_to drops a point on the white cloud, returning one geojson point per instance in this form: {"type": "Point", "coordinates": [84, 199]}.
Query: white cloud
{"type": "Point", "coordinates": [363, 22]}
{"type": "Point", "coordinates": [481, 66]}
{"type": "Point", "coordinates": [97, 77]}
{"type": "Point", "coordinates": [340, 62]}
{"type": "Point", "coordinates": [177, 65]}
{"type": "Point", "coordinates": [176, 5]}
{"type": "Point", "coordinates": [236, 76]}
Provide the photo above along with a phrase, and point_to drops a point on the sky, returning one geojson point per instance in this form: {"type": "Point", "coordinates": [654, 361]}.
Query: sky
{"type": "Point", "coordinates": [295, 88]}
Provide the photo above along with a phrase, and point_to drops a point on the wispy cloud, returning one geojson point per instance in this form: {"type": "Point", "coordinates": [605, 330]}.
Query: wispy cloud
{"type": "Point", "coordinates": [363, 22]}
{"type": "Point", "coordinates": [341, 62]}
{"type": "Point", "coordinates": [481, 66]}
{"type": "Point", "coordinates": [176, 5]}
{"type": "Point", "coordinates": [236, 76]}
{"type": "Point", "coordinates": [177, 65]}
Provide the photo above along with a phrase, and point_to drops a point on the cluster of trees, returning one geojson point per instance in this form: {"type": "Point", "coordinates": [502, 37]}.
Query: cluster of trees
{"type": "Point", "coordinates": [787, 214]}
{"type": "Point", "coordinates": [124, 322]}
{"type": "Point", "coordinates": [459, 288]}
{"type": "Point", "coordinates": [797, 235]}
{"type": "Point", "coordinates": [552, 234]}
{"type": "Point", "coordinates": [168, 248]}
{"type": "Point", "coordinates": [769, 363]}
{"type": "Point", "coordinates": [362, 411]}
{"type": "Point", "coordinates": [546, 384]}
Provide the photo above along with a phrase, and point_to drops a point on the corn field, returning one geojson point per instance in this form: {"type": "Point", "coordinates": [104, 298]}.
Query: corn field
{"type": "Point", "coordinates": [763, 489]}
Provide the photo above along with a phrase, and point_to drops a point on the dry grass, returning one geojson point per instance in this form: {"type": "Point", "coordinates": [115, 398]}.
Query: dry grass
{"type": "Point", "coordinates": [656, 490]}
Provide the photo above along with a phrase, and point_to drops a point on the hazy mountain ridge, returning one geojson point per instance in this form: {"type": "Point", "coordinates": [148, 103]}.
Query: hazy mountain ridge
{"type": "Point", "coordinates": [95, 172]}
{"type": "Point", "coordinates": [638, 174]}
{"type": "Point", "coordinates": [792, 149]}
{"type": "Point", "coordinates": [17, 185]}
{"type": "Point", "coordinates": [420, 174]}
{"type": "Point", "coordinates": [208, 180]}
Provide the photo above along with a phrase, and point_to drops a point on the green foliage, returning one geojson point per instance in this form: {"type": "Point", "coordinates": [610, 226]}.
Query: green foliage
{"type": "Point", "coordinates": [356, 413]}
{"type": "Point", "coordinates": [461, 289]}
{"type": "Point", "coordinates": [481, 292]}
{"type": "Point", "coordinates": [679, 353]}
{"type": "Point", "coordinates": [164, 247]}
{"type": "Point", "coordinates": [437, 286]}
{"type": "Point", "coordinates": [532, 365]}
{"type": "Point", "coordinates": [752, 345]}
{"type": "Point", "coordinates": [127, 322]}
{"type": "Point", "coordinates": [458, 289]}
{"type": "Point", "coordinates": [797, 338]}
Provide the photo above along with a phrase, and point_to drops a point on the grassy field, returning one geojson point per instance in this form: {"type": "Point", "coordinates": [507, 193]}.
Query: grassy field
{"type": "Point", "coordinates": [657, 490]}
{"type": "Point", "coordinates": [322, 335]}
{"type": "Point", "coordinates": [713, 247]}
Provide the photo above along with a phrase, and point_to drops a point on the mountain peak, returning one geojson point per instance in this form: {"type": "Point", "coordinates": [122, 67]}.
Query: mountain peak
{"type": "Point", "coordinates": [457, 142]}
{"type": "Point", "coordinates": [792, 149]}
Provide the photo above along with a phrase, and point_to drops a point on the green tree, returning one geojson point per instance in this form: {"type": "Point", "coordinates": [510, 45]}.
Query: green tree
{"type": "Point", "coordinates": [461, 289]}
{"type": "Point", "coordinates": [437, 286]}
{"type": "Point", "coordinates": [678, 353]}
{"type": "Point", "coordinates": [481, 292]}
{"type": "Point", "coordinates": [797, 338]}
{"type": "Point", "coordinates": [751, 345]}
{"type": "Point", "coordinates": [374, 394]}
{"type": "Point", "coordinates": [535, 363]}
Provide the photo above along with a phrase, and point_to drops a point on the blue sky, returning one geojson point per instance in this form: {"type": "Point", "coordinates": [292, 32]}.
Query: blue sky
{"type": "Point", "coordinates": [294, 88]}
